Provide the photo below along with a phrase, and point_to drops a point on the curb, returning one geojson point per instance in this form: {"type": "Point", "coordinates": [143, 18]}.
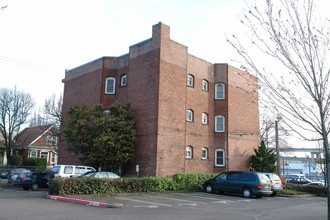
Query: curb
{"type": "Point", "coordinates": [86, 202]}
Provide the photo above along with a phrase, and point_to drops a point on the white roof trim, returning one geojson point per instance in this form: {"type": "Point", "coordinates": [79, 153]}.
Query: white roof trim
{"type": "Point", "coordinates": [41, 135]}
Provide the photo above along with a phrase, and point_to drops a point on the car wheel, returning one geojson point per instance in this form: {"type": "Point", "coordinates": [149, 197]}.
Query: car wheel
{"type": "Point", "coordinates": [273, 194]}
{"type": "Point", "coordinates": [34, 187]}
{"type": "Point", "coordinates": [26, 187]}
{"type": "Point", "coordinates": [209, 188]}
{"type": "Point", "coordinates": [247, 193]}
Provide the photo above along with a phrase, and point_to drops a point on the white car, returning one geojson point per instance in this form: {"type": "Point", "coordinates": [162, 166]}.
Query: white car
{"type": "Point", "coordinates": [70, 170]}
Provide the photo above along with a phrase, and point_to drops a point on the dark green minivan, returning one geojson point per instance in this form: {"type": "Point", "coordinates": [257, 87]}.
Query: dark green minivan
{"type": "Point", "coordinates": [246, 183]}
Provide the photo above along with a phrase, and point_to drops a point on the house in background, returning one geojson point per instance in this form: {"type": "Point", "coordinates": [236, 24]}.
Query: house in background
{"type": "Point", "coordinates": [192, 116]}
{"type": "Point", "coordinates": [38, 142]}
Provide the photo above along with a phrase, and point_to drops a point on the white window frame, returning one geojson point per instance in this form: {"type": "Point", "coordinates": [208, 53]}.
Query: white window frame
{"type": "Point", "coordinates": [220, 93]}
{"type": "Point", "coordinates": [123, 80]}
{"type": "Point", "coordinates": [205, 85]}
{"type": "Point", "coordinates": [205, 153]}
{"type": "Point", "coordinates": [205, 118]}
{"type": "Point", "coordinates": [32, 152]}
{"type": "Point", "coordinates": [107, 90]}
{"type": "Point", "coordinates": [189, 152]}
{"type": "Point", "coordinates": [218, 117]}
{"type": "Point", "coordinates": [190, 115]}
{"type": "Point", "coordinates": [190, 80]}
{"type": "Point", "coordinates": [44, 154]}
{"type": "Point", "coordinates": [223, 163]}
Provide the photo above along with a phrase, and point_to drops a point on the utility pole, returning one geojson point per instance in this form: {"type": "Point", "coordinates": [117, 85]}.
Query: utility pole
{"type": "Point", "coordinates": [277, 149]}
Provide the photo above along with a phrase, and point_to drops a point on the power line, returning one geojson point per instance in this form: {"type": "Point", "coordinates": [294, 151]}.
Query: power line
{"type": "Point", "coordinates": [26, 65]}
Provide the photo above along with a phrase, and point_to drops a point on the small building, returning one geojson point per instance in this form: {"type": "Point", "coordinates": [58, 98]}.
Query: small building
{"type": "Point", "coordinates": [38, 142]}
{"type": "Point", "coordinates": [192, 116]}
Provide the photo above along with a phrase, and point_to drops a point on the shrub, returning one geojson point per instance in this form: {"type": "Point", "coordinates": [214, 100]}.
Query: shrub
{"type": "Point", "coordinates": [317, 190]}
{"type": "Point", "coordinates": [41, 164]}
{"type": "Point", "coordinates": [16, 160]}
{"type": "Point", "coordinates": [29, 161]}
{"type": "Point", "coordinates": [191, 181]}
{"type": "Point", "coordinates": [66, 186]}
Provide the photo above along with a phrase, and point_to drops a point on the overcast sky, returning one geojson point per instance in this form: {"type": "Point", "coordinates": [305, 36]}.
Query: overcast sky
{"type": "Point", "coordinates": [41, 38]}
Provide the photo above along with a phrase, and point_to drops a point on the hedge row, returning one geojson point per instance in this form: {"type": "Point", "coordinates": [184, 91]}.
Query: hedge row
{"type": "Point", "coordinates": [316, 190]}
{"type": "Point", "coordinates": [70, 186]}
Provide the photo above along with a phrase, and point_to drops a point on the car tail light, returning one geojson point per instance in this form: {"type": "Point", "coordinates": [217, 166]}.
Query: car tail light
{"type": "Point", "coordinates": [259, 186]}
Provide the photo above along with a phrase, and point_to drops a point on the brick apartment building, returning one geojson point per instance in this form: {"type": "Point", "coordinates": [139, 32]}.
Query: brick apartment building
{"type": "Point", "coordinates": [192, 116]}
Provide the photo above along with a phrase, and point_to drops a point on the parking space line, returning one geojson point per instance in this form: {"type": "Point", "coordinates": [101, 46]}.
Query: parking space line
{"type": "Point", "coordinates": [201, 197]}
{"type": "Point", "coordinates": [142, 201]}
{"type": "Point", "coordinates": [169, 198]}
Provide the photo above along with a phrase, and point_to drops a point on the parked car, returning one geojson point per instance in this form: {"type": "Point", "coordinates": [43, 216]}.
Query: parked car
{"type": "Point", "coordinates": [70, 170]}
{"type": "Point", "coordinates": [246, 183]}
{"type": "Point", "coordinates": [100, 174]}
{"type": "Point", "coordinates": [276, 183]}
{"type": "Point", "coordinates": [302, 181]}
{"type": "Point", "coordinates": [314, 184]}
{"type": "Point", "coordinates": [16, 172]}
{"type": "Point", "coordinates": [34, 181]}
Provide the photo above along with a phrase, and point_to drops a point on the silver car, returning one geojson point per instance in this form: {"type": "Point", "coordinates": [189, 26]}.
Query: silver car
{"type": "Point", "coordinates": [276, 183]}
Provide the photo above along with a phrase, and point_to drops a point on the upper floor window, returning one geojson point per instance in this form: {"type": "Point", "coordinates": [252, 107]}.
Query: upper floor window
{"type": "Point", "coordinates": [204, 153]}
{"type": "Point", "coordinates": [219, 123]}
{"type": "Point", "coordinates": [220, 157]}
{"type": "Point", "coordinates": [190, 115]}
{"type": "Point", "coordinates": [51, 140]}
{"type": "Point", "coordinates": [110, 84]}
{"type": "Point", "coordinates": [189, 152]}
{"type": "Point", "coordinates": [219, 91]}
{"type": "Point", "coordinates": [190, 80]}
{"type": "Point", "coordinates": [123, 80]}
{"type": "Point", "coordinates": [204, 118]}
{"type": "Point", "coordinates": [205, 85]}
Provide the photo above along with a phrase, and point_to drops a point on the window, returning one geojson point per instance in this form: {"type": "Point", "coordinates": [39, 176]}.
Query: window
{"type": "Point", "coordinates": [53, 158]}
{"type": "Point", "coordinates": [51, 140]}
{"type": "Point", "coordinates": [219, 123]}
{"type": "Point", "coordinates": [219, 91]}
{"type": "Point", "coordinates": [190, 115]}
{"type": "Point", "coordinates": [68, 169]}
{"type": "Point", "coordinates": [110, 84]}
{"type": "Point", "coordinates": [220, 157]}
{"type": "Point", "coordinates": [204, 118]}
{"type": "Point", "coordinates": [33, 154]}
{"type": "Point", "coordinates": [190, 80]}
{"type": "Point", "coordinates": [205, 85]}
{"type": "Point", "coordinates": [44, 155]}
{"type": "Point", "coordinates": [204, 153]}
{"type": "Point", "coordinates": [189, 152]}
{"type": "Point", "coordinates": [123, 80]}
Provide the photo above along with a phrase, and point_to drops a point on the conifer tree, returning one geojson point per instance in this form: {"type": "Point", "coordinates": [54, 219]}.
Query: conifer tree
{"type": "Point", "coordinates": [264, 159]}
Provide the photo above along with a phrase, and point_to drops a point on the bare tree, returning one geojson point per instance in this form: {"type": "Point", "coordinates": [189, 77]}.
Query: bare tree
{"type": "Point", "coordinates": [52, 110]}
{"type": "Point", "coordinates": [15, 108]}
{"type": "Point", "coordinates": [296, 39]}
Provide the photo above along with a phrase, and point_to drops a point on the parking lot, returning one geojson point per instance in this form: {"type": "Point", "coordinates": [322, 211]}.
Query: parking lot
{"type": "Point", "coordinates": [17, 204]}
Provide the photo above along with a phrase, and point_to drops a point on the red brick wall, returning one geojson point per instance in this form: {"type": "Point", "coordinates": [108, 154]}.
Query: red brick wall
{"type": "Point", "coordinates": [156, 72]}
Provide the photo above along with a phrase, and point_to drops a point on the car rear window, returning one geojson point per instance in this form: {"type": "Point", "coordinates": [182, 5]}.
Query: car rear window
{"type": "Point", "coordinates": [233, 176]}
{"type": "Point", "coordinates": [68, 169]}
{"type": "Point", "coordinates": [247, 177]}
{"type": "Point", "coordinates": [80, 170]}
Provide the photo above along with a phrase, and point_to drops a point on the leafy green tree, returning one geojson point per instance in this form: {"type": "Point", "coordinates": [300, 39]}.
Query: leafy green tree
{"type": "Point", "coordinates": [263, 160]}
{"type": "Point", "coordinates": [104, 137]}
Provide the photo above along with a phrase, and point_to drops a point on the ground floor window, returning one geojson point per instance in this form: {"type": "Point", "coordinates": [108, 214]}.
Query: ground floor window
{"type": "Point", "coordinates": [33, 153]}
{"type": "Point", "coordinates": [220, 157]}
